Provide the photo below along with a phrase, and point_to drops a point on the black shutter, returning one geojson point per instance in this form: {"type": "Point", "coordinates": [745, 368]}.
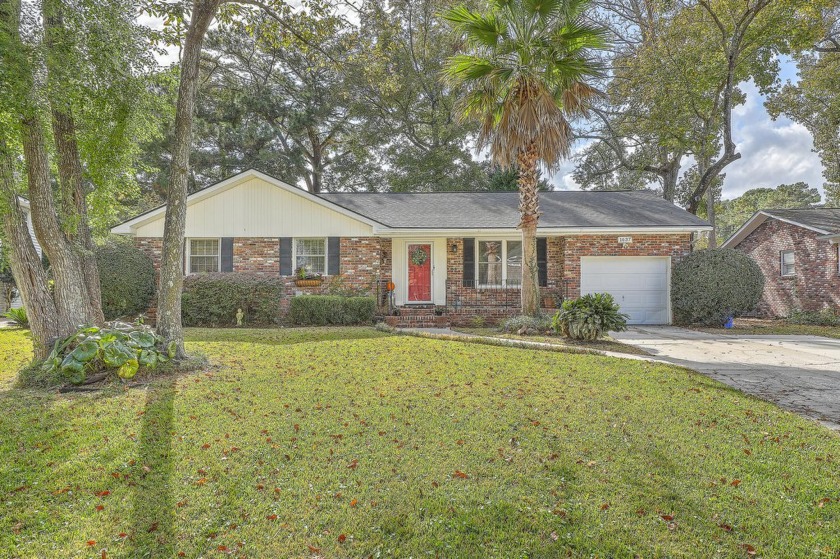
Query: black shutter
{"type": "Point", "coordinates": [333, 256]}
{"type": "Point", "coordinates": [227, 255]}
{"type": "Point", "coordinates": [542, 260]}
{"type": "Point", "coordinates": [469, 263]}
{"type": "Point", "coordinates": [286, 256]}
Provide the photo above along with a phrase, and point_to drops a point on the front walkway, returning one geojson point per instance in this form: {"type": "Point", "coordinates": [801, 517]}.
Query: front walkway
{"type": "Point", "coordinates": [799, 373]}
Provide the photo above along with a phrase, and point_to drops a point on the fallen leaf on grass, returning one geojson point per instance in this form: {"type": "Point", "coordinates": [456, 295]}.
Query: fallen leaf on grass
{"type": "Point", "coordinates": [103, 493]}
{"type": "Point", "coordinates": [735, 482]}
{"type": "Point", "coordinates": [271, 517]}
{"type": "Point", "coordinates": [354, 502]}
{"type": "Point", "coordinates": [91, 543]}
{"type": "Point", "coordinates": [460, 475]}
{"type": "Point", "coordinates": [314, 549]}
{"type": "Point", "coordinates": [342, 538]}
{"type": "Point", "coordinates": [605, 506]}
{"type": "Point", "coordinates": [749, 549]}
{"type": "Point", "coordinates": [100, 507]}
{"type": "Point", "coordinates": [725, 527]}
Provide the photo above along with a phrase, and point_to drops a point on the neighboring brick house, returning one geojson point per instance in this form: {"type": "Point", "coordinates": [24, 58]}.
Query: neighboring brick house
{"type": "Point", "coordinates": [450, 256]}
{"type": "Point", "coordinates": [797, 249]}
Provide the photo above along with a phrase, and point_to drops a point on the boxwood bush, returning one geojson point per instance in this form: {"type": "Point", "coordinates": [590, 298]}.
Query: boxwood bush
{"type": "Point", "coordinates": [126, 278]}
{"type": "Point", "coordinates": [709, 286]}
{"type": "Point", "coordinates": [324, 310]}
{"type": "Point", "coordinates": [213, 299]}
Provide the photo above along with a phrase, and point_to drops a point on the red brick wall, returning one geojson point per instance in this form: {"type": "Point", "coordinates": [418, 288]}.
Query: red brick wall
{"type": "Point", "coordinates": [493, 304]}
{"type": "Point", "coordinates": [365, 263]}
{"type": "Point", "coordinates": [152, 246]}
{"type": "Point", "coordinates": [256, 255]}
{"type": "Point", "coordinates": [816, 284]}
{"type": "Point", "coordinates": [675, 245]}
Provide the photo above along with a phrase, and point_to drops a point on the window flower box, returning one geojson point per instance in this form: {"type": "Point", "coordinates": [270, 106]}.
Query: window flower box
{"type": "Point", "coordinates": [309, 282]}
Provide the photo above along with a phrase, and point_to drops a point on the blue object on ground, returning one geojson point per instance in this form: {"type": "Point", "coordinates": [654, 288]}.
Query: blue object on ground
{"type": "Point", "coordinates": [730, 322]}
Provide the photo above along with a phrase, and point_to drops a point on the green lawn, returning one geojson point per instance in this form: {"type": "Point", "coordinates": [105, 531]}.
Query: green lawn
{"type": "Point", "coordinates": [352, 443]}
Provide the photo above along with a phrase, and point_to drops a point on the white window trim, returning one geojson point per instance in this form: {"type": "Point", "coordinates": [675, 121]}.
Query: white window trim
{"type": "Point", "coordinates": [504, 284]}
{"type": "Point", "coordinates": [326, 252]}
{"type": "Point", "coordinates": [188, 263]}
{"type": "Point", "coordinates": [782, 263]}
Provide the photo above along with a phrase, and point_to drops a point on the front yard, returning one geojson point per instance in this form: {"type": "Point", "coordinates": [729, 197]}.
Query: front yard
{"type": "Point", "coordinates": [353, 443]}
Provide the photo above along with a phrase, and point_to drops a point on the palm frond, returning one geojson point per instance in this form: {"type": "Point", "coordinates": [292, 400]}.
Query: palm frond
{"type": "Point", "coordinates": [478, 29]}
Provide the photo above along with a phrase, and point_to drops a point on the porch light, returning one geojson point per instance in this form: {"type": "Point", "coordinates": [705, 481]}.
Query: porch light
{"type": "Point", "coordinates": [454, 248]}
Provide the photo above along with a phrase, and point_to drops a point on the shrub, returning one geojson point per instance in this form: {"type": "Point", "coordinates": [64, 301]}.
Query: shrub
{"type": "Point", "coordinates": [126, 278]}
{"type": "Point", "coordinates": [825, 317]}
{"type": "Point", "coordinates": [18, 317]}
{"type": "Point", "coordinates": [119, 348]}
{"type": "Point", "coordinates": [709, 286]}
{"type": "Point", "coordinates": [213, 299]}
{"type": "Point", "coordinates": [589, 317]}
{"type": "Point", "coordinates": [323, 310]}
{"type": "Point", "coordinates": [526, 324]}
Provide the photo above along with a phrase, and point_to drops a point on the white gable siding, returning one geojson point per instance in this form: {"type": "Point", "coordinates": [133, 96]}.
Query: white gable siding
{"type": "Point", "coordinates": [257, 208]}
{"type": "Point", "coordinates": [16, 302]}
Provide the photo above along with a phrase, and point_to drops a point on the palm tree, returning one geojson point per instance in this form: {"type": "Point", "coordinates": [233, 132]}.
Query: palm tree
{"type": "Point", "coordinates": [524, 77]}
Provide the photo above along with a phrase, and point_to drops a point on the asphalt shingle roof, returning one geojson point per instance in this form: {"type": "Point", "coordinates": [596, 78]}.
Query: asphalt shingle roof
{"type": "Point", "coordinates": [824, 219]}
{"type": "Point", "coordinates": [500, 210]}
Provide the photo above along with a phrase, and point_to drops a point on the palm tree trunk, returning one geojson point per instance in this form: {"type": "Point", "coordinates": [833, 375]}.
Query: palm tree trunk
{"type": "Point", "coordinates": [172, 266]}
{"type": "Point", "coordinates": [529, 211]}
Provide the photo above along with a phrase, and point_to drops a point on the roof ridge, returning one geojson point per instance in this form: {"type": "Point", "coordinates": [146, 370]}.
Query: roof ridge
{"type": "Point", "coordinates": [631, 190]}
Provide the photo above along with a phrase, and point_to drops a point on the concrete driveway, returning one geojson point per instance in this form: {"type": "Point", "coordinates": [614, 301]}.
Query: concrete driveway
{"type": "Point", "coordinates": [800, 373]}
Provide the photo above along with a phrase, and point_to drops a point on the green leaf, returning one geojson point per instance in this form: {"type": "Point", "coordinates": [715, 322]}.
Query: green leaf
{"type": "Point", "coordinates": [128, 369]}
{"type": "Point", "coordinates": [85, 351]}
{"type": "Point", "coordinates": [148, 358]}
{"type": "Point", "coordinates": [172, 350]}
{"type": "Point", "coordinates": [117, 354]}
{"type": "Point", "coordinates": [143, 339]}
{"type": "Point", "coordinates": [74, 370]}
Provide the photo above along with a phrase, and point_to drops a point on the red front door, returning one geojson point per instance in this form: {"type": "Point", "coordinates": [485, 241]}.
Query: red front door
{"type": "Point", "coordinates": [419, 273]}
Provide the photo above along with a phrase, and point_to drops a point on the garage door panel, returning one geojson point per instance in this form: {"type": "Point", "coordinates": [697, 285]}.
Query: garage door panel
{"type": "Point", "coordinates": [639, 285]}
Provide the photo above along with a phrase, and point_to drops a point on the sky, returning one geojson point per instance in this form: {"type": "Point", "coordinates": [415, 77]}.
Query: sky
{"type": "Point", "coordinates": [772, 152]}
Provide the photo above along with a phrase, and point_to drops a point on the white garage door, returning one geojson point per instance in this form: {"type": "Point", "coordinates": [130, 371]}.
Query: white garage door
{"type": "Point", "coordinates": [639, 284]}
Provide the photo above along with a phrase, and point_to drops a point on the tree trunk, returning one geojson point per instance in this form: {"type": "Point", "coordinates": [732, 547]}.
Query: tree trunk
{"type": "Point", "coordinates": [710, 215]}
{"type": "Point", "coordinates": [529, 211]}
{"type": "Point", "coordinates": [670, 175]}
{"type": "Point", "coordinates": [74, 218]}
{"type": "Point", "coordinates": [71, 295]}
{"type": "Point", "coordinates": [74, 207]}
{"type": "Point", "coordinates": [172, 266]}
{"type": "Point", "coordinates": [29, 274]}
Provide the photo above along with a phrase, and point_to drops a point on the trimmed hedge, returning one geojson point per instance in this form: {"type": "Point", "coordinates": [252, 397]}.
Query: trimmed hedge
{"type": "Point", "coordinates": [325, 310]}
{"type": "Point", "coordinates": [709, 286]}
{"type": "Point", "coordinates": [213, 299]}
{"type": "Point", "coordinates": [126, 278]}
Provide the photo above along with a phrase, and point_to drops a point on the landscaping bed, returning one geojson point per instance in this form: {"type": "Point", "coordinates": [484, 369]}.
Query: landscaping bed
{"type": "Point", "coordinates": [348, 442]}
{"type": "Point", "coordinates": [604, 344]}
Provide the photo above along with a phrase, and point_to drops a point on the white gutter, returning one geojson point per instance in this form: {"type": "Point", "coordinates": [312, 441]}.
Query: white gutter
{"type": "Point", "coordinates": [552, 231]}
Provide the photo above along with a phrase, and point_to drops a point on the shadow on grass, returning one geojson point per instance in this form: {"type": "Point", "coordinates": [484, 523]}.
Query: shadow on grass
{"type": "Point", "coordinates": [153, 532]}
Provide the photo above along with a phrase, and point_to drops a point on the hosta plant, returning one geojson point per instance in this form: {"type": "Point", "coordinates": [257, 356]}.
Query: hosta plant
{"type": "Point", "coordinates": [118, 347]}
{"type": "Point", "coordinates": [589, 317]}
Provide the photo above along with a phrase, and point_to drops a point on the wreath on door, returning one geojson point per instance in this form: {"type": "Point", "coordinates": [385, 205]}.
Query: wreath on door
{"type": "Point", "coordinates": [419, 256]}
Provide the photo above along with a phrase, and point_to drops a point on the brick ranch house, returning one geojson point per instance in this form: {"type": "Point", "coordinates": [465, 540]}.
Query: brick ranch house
{"type": "Point", "coordinates": [451, 256]}
{"type": "Point", "coordinates": [797, 249]}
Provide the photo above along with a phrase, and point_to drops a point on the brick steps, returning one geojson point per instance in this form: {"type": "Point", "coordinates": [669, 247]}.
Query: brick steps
{"type": "Point", "coordinates": [418, 317]}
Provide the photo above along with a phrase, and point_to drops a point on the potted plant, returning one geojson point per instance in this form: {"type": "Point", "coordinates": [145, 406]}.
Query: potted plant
{"type": "Point", "coordinates": [307, 279]}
